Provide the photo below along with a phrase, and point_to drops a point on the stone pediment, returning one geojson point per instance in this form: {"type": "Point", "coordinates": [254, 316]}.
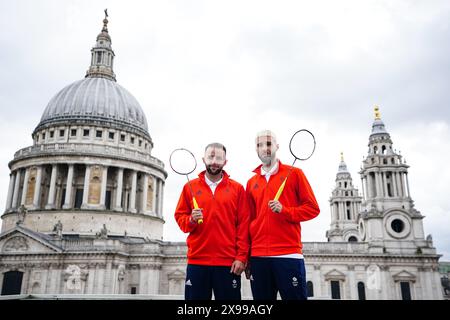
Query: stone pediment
{"type": "Point", "coordinates": [404, 276]}
{"type": "Point", "coordinates": [20, 240]}
{"type": "Point", "coordinates": [335, 275]}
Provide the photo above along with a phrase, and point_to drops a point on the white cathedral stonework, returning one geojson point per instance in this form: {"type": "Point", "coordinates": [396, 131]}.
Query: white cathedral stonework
{"type": "Point", "coordinates": [85, 202]}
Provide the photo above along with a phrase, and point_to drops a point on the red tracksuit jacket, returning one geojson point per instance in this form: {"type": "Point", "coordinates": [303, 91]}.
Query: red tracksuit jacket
{"type": "Point", "coordinates": [223, 235]}
{"type": "Point", "coordinates": [279, 233]}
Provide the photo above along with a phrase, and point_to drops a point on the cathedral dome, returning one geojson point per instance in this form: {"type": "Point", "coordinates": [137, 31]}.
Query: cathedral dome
{"type": "Point", "coordinates": [95, 99]}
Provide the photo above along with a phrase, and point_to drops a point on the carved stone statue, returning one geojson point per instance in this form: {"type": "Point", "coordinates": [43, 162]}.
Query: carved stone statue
{"type": "Point", "coordinates": [121, 273]}
{"type": "Point", "coordinates": [57, 229]}
{"type": "Point", "coordinates": [21, 214]}
{"type": "Point", "coordinates": [103, 234]}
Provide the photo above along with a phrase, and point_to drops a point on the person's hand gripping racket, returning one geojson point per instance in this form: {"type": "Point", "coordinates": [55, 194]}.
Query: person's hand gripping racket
{"type": "Point", "coordinates": [302, 147]}
{"type": "Point", "coordinates": [183, 162]}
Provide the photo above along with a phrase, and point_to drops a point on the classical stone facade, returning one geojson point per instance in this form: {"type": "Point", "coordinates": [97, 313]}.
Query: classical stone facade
{"type": "Point", "coordinates": [85, 202]}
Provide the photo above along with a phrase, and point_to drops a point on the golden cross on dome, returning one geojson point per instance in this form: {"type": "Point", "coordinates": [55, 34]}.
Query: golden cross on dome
{"type": "Point", "coordinates": [377, 113]}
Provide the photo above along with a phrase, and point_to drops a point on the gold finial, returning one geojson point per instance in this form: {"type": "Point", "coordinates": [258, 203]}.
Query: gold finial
{"type": "Point", "coordinates": [342, 156]}
{"type": "Point", "coordinates": [105, 21]}
{"type": "Point", "coordinates": [377, 113]}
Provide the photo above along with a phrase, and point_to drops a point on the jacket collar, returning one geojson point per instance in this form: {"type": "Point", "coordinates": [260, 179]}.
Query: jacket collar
{"type": "Point", "coordinates": [258, 168]}
{"type": "Point", "coordinates": [225, 176]}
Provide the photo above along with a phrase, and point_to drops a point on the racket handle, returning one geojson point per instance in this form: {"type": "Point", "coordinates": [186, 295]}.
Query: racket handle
{"type": "Point", "coordinates": [199, 221]}
{"type": "Point", "coordinates": [280, 190]}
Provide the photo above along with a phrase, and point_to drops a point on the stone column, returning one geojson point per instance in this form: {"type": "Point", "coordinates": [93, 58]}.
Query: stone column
{"type": "Point", "coordinates": [100, 278]}
{"type": "Point", "coordinates": [402, 184]}
{"type": "Point", "coordinates": [142, 277]}
{"type": "Point", "coordinates": [436, 278]}
{"type": "Point", "coordinates": [426, 282]}
{"type": "Point", "coordinates": [107, 279]}
{"type": "Point", "coordinates": [37, 188]}
{"type": "Point", "coordinates": [155, 200]}
{"type": "Point", "coordinates": [317, 281]}
{"type": "Point", "coordinates": [86, 187]}
{"type": "Point", "coordinates": [132, 204]}
{"type": "Point", "coordinates": [48, 279]}
{"type": "Point", "coordinates": [68, 198]}
{"type": "Point", "coordinates": [362, 188]}
{"type": "Point", "coordinates": [9, 199]}
{"type": "Point", "coordinates": [394, 184]}
{"type": "Point", "coordinates": [25, 187]}
{"type": "Point", "coordinates": [95, 287]}
{"type": "Point", "coordinates": [118, 204]}
{"type": "Point", "coordinates": [91, 277]}
{"type": "Point", "coordinates": [378, 185]}
{"type": "Point", "coordinates": [103, 188]}
{"type": "Point", "coordinates": [407, 184]}
{"type": "Point", "coordinates": [144, 194]}
{"type": "Point", "coordinates": [45, 272]}
{"type": "Point", "coordinates": [385, 194]}
{"type": "Point", "coordinates": [161, 198]}
{"type": "Point", "coordinates": [385, 292]}
{"type": "Point", "coordinates": [332, 212]}
{"type": "Point", "coordinates": [51, 192]}
{"type": "Point", "coordinates": [368, 191]}
{"type": "Point", "coordinates": [352, 283]}
{"type": "Point", "coordinates": [16, 190]}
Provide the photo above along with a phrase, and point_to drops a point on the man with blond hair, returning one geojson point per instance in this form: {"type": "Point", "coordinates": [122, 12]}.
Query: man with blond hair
{"type": "Point", "coordinates": [276, 263]}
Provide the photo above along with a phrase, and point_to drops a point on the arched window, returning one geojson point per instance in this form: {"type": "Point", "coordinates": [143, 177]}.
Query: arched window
{"type": "Point", "coordinates": [361, 291]}
{"type": "Point", "coordinates": [352, 239]}
{"type": "Point", "coordinates": [310, 288]}
{"type": "Point", "coordinates": [383, 149]}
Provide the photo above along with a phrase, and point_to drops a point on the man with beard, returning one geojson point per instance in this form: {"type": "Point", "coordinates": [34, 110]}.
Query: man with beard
{"type": "Point", "coordinates": [217, 247]}
{"type": "Point", "coordinates": [276, 263]}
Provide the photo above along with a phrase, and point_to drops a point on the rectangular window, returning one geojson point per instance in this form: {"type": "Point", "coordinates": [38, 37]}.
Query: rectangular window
{"type": "Point", "coordinates": [86, 133]}
{"type": "Point", "coordinates": [99, 133]}
{"type": "Point", "coordinates": [73, 132]}
{"type": "Point", "coordinates": [140, 143]}
{"type": "Point", "coordinates": [122, 137]}
{"type": "Point", "coordinates": [111, 135]}
{"type": "Point", "coordinates": [52, 133]}
{"type": "Point", "coordinates": [406, 290]}
{"type": "Point", "coordinates": [78, 198]}
{"type": "Point", "coordinates": [133, 290]}
{"type": "Point", "coordinates": [63, 197]}
{"type": "Point", "coordinates": [108, 200]}
{"type": "Point", "coordinates": [335, 290]}
{"type": "Point", "coordinates": [132, 140]}
{"type": "Point", "coordinates": [62, 132]}
{"type": "Point", "coordinates": [43, 136]}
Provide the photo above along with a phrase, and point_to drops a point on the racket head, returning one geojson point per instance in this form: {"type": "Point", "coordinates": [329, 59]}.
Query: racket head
{"type": "Point", "coordinates": [182, 161]}
{"type": "Point", "coordinates": [302, 144]}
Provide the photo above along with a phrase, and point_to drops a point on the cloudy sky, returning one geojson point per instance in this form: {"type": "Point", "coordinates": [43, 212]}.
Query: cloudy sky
{"type": "Point", "coordinates": [207, 71]}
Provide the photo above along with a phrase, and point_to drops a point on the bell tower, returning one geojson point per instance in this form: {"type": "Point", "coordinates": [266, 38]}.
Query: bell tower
{"type": "Point", "coordinates": [388, 221]}
{"type": "Point", "coordinates": [345, 204]}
